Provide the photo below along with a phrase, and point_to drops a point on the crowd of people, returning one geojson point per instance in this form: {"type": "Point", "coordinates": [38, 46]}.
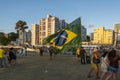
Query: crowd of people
{"type": "Point", "coordinates": [7, 57]}
{"type": "Point", "coordinates": [110, 64]}
{"type": "Point", "coordinates": [51, 50]}
{"type": "Point", "coordinates": [104, 61]}
{"type": "Point", "coordinates": [83, 56]}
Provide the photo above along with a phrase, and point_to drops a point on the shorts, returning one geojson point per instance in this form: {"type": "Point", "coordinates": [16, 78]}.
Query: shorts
{"type": "Point", "coordinates": [112, 69]}
{"type": "Point", "coordinates": [95, 66]}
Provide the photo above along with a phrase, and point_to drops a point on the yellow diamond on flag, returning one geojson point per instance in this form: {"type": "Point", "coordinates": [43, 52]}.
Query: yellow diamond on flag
{"type": "Point", "coordinates": [62, 38]}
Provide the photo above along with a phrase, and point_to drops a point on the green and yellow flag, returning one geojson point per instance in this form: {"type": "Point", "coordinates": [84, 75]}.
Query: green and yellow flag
{"type": "Point", "coordinates": [68, 38]}
{"type": "Point", "coordinates": [62, 38]}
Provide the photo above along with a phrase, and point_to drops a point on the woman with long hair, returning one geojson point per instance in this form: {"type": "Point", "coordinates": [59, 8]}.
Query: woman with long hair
{"type": "Point", "coordinates": [113, 65]}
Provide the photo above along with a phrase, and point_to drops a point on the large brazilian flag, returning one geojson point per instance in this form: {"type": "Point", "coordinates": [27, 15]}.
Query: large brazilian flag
{"type": "Point", "coordinates": [67, 39]}
{"type": "Point", "coordinates": [62, 38]}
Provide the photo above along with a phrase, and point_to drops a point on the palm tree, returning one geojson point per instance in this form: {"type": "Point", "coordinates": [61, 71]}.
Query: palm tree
{"type": "Point", "coordinates": [20, 27]}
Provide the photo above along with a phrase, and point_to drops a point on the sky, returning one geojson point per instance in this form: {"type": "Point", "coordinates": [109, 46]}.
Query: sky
{"type": "Point", "coordinates": [92, 12]}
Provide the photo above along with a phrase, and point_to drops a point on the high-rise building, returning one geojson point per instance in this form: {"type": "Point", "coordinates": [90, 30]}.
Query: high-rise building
{"type": "Point", "coordinates": [117, 34]}
{"type": "Point", "coordinates": [48, 26]}
{"type": "Point", "coordinates": [62, 24]}
{"type": "Point", "coordinates": [103, 36]}
{"type": "Point", "coordinates": [83, 33]}
{"type": "Point", "coordinates": [91, 36]}
{"type": "Point", "coordinates": [35, 34]}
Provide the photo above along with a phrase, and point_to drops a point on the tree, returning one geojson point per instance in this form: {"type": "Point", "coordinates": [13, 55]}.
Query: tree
{"type": "Point", "coordinates": [88, 38]}
{"type": "Point", "coordinates": [20, 27]}
{"type": "Point", "coordinates": [1, 34]}
{"type": "Point", "coordinates": [4, 40]}
{"type": "Point", "coordinates": [20, 24]}
{"type": "Point", "coordinates": [12, 36]}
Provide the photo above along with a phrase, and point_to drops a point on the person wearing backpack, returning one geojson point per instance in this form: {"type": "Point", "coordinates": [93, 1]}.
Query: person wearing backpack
{"type": "Point", "coordinates": [88, 58]}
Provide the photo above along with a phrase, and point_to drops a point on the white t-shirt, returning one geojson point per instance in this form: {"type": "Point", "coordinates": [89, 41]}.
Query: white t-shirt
{"type": "Point", "coordinates": [104, 64]}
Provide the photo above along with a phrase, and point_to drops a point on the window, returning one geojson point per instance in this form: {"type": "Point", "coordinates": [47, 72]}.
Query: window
{"type": "Point", "coordinates": [43, 33]}
{"type": "Point", "coordinates": [49, 20]}
{"type": "Point", "coordinates": [44, 28]}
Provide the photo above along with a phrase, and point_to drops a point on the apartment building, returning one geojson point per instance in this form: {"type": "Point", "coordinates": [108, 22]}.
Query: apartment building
{"type": "Point", "coordinates": [83, 33]}
{"type": "Point", "coordinates": [103, 36]}
{"type": "Point", "coordinates": [117, 34]}
{"type": "Point", "coordinates": [48, 26]}
{"type": "Point", "coordinates": [63, 24]}
{"type": "Point", "coordinates": [35, 34]}
{"type": "Point", "coordinates": [108, 37]}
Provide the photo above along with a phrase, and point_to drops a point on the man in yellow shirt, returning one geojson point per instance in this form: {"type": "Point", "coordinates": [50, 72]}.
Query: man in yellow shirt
{"type": "Point", "coordinates": [1, 56]}
{"type": "Point", "coordinates": [78, 53]}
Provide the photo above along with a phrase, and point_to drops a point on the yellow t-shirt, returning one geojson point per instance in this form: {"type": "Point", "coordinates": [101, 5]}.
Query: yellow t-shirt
{"type": "Point", "coordinates": [78, 51]}
{"type": "Point", "coordinates": [1, 53]}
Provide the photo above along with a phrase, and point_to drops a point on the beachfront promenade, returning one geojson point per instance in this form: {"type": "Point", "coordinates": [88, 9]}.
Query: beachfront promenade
{"type": "Point", "coordinates": [34, 67]}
